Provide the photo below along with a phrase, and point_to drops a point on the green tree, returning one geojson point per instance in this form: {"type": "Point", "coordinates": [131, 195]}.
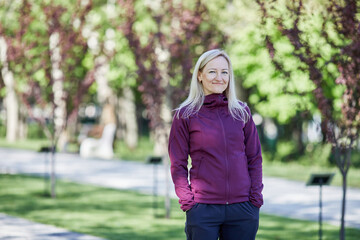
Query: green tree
{"type": "Point", "coordinates": [121, 75]}
{"type": "Point", "coordinates": [12, 30]}
{"type": "Point", "coordinates": [258, 82]}
{"type": "Point", "coordinates": [165, 37]}
{"type": "Point", "coordinates": [325, 40]}
{"type": "Point", "coordinates": [49, 58]}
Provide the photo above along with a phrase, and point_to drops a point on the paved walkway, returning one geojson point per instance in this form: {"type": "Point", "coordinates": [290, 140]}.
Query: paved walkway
{"type": "Point", "coordinates": [282, 197]}
{"type": "Point", "coordinates": [21, 229]}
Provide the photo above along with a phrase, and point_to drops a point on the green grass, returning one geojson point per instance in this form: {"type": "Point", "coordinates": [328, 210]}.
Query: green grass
{"type": "Point", "coordinates": [121, 151]}
{"type": "Point", "coordinates": [115, 214]}
{"type": "Point", "coordinates": [141, 153]}
{"type": "Point", "coordinates": [103, 212]}
{"type": "Point", "coordinates": [298, 172]}
{"type": "Point", "coordinates": [28, 144]}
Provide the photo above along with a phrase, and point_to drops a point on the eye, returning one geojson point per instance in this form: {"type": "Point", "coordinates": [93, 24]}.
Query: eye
{"type": "Point", "coordinates": [225, 73]}
{"type": "Point", "coordinates": [212, 71]}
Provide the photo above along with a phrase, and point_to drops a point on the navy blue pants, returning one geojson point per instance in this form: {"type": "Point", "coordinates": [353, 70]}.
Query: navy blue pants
{"type": "Point", "coordinates": [239, 221]}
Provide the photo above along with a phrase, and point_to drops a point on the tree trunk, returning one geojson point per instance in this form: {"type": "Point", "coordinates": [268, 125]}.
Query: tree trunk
{"type": "Point", "coordinates": [23, 128]}
{"type": "Point", "coordinates": [105, 95]}
{"type": "Point", "coordinates": [68, 135]}
{"type": "Point", "coordinates": [58, 85]}
{"type": "Point", "coordinates": [104, 92]}
{"type": "Point", "coordinates": [11, 101]}
{"type": "Point", "coordinates": [107, 114]}
{"type": "Point", "coordinates": [53, 170]}
{"type": "Point", "coordinates": [63, 141]}
{"type": "Point", "coordinates": [343, 205]}
{"type": "Point", "coordinates": [343, 158]}
{"type": "Point", "coordinates": [344, 168]}
{"type": "Point", "coordinates": [12, 109]}
{"type": "Point", "coordinates": [59, 107]}
{"type": "Point", "coordinates": [297, 134]}
{"type": "Point", "coordinates": [127, 118]}
{"type": "Point", "coordinates": [162, 132]}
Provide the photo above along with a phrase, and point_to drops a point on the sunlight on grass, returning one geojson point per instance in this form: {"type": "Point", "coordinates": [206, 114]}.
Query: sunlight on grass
{"type": "Point", "coordinates": [295, 171]}
{"type": "Point", "coordinates": [114, 214]}
{"type": "Point", "coordinates": [28, 144]}
{"type": "Point", "coordinates": [141, 153]}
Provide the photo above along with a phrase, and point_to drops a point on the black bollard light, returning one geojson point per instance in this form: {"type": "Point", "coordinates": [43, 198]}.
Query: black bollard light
{"type": "Point", "coordinates": [320, 179]}
{"type": "Point", "coordinates": [155, 161]}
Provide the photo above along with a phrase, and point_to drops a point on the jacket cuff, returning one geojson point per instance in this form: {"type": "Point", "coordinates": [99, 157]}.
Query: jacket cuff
{"type": "Point", "coordinates": [258, 202]}
{"type": "Point", "coordinates": [187, 206]}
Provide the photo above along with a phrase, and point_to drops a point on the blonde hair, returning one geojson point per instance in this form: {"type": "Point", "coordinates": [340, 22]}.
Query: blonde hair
{"type": "Point", "coordinates": [196, 95]}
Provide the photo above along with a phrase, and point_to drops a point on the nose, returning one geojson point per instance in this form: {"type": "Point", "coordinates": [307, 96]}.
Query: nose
{"type": "Point", "coordinates": [218, 76]}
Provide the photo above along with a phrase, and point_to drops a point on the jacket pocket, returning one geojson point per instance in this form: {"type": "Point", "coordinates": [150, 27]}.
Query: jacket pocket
{"type": "Point", "coordinates": [196, 168]}
{"type": "Point", "coordinates": [239, 177]}
{"type": "Point", "coordinates": [193, 208]}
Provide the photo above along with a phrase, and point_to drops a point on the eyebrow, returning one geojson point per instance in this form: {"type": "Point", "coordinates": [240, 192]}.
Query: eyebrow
{"type": "Point", "coordinates": [215, 69]}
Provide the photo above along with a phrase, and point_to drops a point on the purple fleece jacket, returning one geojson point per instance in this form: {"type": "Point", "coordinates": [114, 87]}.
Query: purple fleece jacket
{"type": "Point", "coordinates": [225, 156]}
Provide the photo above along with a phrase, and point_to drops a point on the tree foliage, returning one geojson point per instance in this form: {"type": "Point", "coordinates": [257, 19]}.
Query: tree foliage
{"type": "Point", "coordinates": [271, 93]}
{"type": "Point", "coordinates": [326, 42]}
{"type": "Point", "coordinates": [30, 40]}
{"type": "Point", "coordinates": [164, 37]}
{"type": "Point", "coordinates": [45, 53]}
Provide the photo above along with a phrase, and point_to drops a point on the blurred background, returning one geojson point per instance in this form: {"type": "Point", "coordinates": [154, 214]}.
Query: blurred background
{"type": "Point", "coordinates": [72, 68]}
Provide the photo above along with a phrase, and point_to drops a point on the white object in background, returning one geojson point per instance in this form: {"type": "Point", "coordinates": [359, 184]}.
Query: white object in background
{"type": "Point", "coordinates": [103, 147]}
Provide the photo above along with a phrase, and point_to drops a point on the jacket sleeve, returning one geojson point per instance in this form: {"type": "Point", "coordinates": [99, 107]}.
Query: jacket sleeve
{"type": "Point", "coordinates": [254, 157]}
{"type": "Point", "coordinates": [178, 153]}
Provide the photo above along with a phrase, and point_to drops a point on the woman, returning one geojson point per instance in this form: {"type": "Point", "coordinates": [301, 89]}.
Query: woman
{"type": "Point", "coordinates": [217, 131]}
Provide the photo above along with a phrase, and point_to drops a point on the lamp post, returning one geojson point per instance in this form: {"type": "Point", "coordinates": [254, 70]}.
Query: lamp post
{"type": "Point", "coordinates": [320, 179]}
{"type": "Point", "coordinates": [155, 161]}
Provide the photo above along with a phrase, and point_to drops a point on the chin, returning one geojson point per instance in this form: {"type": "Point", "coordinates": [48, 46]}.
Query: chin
{"type": "Point", "coordinates": [219, 91]}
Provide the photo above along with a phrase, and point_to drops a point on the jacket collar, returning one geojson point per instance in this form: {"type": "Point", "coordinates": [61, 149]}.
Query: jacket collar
{"type": "Point", "coordinates": [215, 99]}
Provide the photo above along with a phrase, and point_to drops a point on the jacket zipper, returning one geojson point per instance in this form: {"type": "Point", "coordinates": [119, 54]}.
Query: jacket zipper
{"type": "Point", "coordinates": [226, 158]}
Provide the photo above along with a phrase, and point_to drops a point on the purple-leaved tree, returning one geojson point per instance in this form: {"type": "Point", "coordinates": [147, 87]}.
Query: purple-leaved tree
{"type": "Point", "coordinates": [165, 60]}
{"type": "Point", "coordinates": [47, 51]}
{"type": "Point", "coordinates": [339, 34]}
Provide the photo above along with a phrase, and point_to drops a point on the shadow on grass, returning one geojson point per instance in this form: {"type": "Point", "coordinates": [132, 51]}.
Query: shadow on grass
{"type": "Point", "coordinates": [114, 214]}
{"type": "Point", "coordinates": [273, 227]}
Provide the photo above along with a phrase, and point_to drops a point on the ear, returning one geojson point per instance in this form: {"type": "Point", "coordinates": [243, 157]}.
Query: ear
{"type": "Point", "coordinates": [199, 77]}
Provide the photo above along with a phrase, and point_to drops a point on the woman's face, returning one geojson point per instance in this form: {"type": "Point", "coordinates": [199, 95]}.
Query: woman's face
{"type": "Point", "coordinates": [215, 76]}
